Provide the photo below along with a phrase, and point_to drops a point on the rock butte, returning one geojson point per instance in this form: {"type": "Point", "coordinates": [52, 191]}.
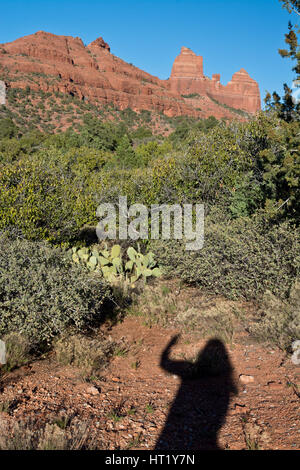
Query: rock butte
{"type": "Point", "coordinates": [93, 73]}
{"type": "Point", "coordinates": [187, 77]}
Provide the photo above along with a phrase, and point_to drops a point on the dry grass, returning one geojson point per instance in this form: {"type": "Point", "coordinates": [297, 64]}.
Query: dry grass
{"type": "Point", "coordinates": [279, 321]}
{"type": "Point", "coordinates": [17, 351]}
{"type": "Point", "coordinates": [26, 436]}
{"type": "Point", "coordinates": [166, 305]}
{"type": "Point", "coordinates": [90, 355]}
{"type": "Point", "coordinates": [255, 435]}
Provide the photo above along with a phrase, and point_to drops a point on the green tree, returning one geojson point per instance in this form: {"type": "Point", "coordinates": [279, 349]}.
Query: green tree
{"type": "Point", "coordinates": [125, 153]}
{"type": "Point", "coordinates": [97, 134]}
{"type": "Point", "coordinates": [287, 107]}
{"type": "Point", "coordinates": [7, 129]}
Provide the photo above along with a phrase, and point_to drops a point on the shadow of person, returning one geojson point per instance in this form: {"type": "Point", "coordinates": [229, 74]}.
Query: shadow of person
{"type": "Point", "coordinates": [199, 409]}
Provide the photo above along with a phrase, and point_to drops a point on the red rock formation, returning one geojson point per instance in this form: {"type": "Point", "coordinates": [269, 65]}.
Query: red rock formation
{"type": "Point", "coordinates": [100, 43]}
{"type": "Point", "coordinates": [242, 92]}
{"type": "Point", "coordinates": [187, 65]}
{"type": "Point", "coordinates": [63, 63]}
{"type": "Point", "coordinates": [187, 78]}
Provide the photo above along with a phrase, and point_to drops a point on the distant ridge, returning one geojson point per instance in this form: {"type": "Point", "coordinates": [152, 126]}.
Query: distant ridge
{"type": "Point", "coordinates": [51, 63]}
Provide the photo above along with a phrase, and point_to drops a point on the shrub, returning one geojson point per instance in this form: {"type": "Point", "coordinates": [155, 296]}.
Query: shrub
{"type": "Point", "coordinates": [240, 258]}
{"type": "Point", "coordinates": [150, 151]}
{"type": "Point", "coordinates": [42, 293]}
{"type": "Point", "coordinates": [26, 435]}
{"type": "Point", "coordinates": [125, 154]}
{"type": "Point", "coordinates": [13, 149]}
{"type": "Point", "coordinates": [213, 165]}
{"type": "Point", "coordinates": [98, 135]}
{"type": "Point", "coordinates": [279, 321]}
{"type": "Point", "coordinates": [7, 128]}
{"type": "Point", "coordinates": [44, 200]}
{"type": "Point", "coordinates": [272, 146]}
{"type": "Point", "coordinates": [89, 354]}
{"type": "Point", "coordinates": [17, 351]}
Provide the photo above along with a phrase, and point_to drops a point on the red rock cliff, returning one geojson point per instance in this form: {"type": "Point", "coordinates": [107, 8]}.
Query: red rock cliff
{"type": "Point", "coordinates": [63, 63]}
{"type": "Point", "coordinates": [187, 78]}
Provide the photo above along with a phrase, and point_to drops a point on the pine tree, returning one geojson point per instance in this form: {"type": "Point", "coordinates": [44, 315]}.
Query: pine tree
{"type": "Point", "coordinates": [125, 153]}
{"type": "Point", "coordinates": [288, 107]}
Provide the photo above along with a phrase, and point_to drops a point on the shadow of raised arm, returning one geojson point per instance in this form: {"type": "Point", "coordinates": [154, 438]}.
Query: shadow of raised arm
{"type": "Point", "coordinates": [169, 365]}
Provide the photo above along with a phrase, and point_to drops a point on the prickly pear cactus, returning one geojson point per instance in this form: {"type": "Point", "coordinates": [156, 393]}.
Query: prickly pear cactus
{"type": "Point", "coordinates": [140, 265]}
{"type": "Point", "coordinates": [105, 261]}
{"type": "Point", "coordinates": [87, 257]}
{"type": "Point", "coordinates": [110, 263]}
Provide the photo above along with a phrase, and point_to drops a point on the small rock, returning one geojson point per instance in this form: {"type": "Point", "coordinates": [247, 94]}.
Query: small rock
{"type": "Point", "coordinates": [296, 357]}
{"type": "Point", "coordinates": [296, 345]}
{"type": "Point", "coordinates": [238, 410]}
{"type": "Point", "coordinates": [246, 379]}
{"type": "Point", "coordinates": [274, 385]}
{"type": "Point", "coordinates": [239, 405]}
{"type": "Point", "coordinates": [93, 391]}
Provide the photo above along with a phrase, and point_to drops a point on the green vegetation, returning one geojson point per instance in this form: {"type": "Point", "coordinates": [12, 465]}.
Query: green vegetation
{"type": "Point", "coordinates": [61, 157]}
{"type": "Point", "coordinates": [18, 349]}
{"type": "Point", "coordinates": [240, 112]}
{"type": "Point", "coordinates": [42, 294]}
{"type": "Point", "coordinates": [279, 320]}
{"type": "Point", "coordinates": [240, 258]}
{"type": "Point", "coordinates": [191, 95]}
{"type": "Point", "coordinates": [111, 264]}
{"type": "Point", "coordinates": [89, 354]}
{"type": "Point", "coordinates": [286, 107]}
{"type": "Point", "coordinates": [246, 174]}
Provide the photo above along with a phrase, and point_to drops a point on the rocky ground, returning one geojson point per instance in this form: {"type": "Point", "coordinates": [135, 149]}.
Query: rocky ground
{"type": "Point", "coordinates": [143, 400]}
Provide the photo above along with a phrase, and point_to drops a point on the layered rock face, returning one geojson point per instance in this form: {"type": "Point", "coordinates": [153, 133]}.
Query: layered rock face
{"type": "Point", "coordinates": [62, 63]}
{"type": "Point", "coordinates": [187, 78]}
{"type": "Point", "coordinates": [187, 66]}
{"type": "Point", "coordinates": [241, 92]}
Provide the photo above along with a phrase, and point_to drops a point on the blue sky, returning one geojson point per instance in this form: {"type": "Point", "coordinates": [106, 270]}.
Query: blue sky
{"type": "Point", "coordinates": [229, 34]}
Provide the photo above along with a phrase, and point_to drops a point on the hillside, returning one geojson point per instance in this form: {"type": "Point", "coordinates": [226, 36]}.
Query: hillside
{"type": "Point", "coordinates": [63, 64]}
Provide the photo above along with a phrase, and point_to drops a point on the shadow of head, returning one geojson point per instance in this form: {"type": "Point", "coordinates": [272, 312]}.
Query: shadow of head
{"type": "Point", "coordinates": [212, 361]}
